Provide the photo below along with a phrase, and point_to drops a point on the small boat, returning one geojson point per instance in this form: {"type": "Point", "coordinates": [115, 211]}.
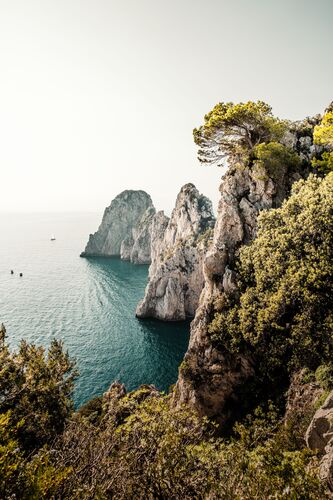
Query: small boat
{"type": "Point", "coordinates": [52, 237]}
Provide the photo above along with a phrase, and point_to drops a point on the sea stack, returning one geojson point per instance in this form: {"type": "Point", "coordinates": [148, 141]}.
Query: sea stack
{"type": "Point", "coordinates": [125, 229]}
{"type": "Point", "coordinates": [178, 246]}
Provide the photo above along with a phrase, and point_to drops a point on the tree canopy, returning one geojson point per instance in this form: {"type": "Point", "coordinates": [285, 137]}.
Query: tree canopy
{"type": "Point", "coordinates": [231, 131]}
{"type": "Point", "coordinates": [36, 387]}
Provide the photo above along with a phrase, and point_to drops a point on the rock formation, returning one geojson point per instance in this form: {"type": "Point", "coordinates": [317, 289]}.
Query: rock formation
{"type": "Point", "coordinates": [319, 436]}
{"type": "Point", "coordinates": [210, 376]}
{"type": "Point", "coordinates": [125, 229]}
{"type": "Point", "coordinates": [137, 246]}
{"type": "Point", "coordinates": [178, 247]}
{"type": "Point", "coordinates": [302, 396]}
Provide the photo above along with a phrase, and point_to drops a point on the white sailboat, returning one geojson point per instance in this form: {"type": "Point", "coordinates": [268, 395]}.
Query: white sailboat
{"type": "Point", "coordinates": [52, 237]}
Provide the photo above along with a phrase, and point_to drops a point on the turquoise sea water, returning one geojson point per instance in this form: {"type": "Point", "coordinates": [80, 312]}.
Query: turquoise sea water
{"type": "Point", "coordinates": [90, 304]}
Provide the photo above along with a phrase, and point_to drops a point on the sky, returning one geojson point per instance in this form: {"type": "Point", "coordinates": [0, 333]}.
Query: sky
{"type": "Point", "coordinates": [98, 96]}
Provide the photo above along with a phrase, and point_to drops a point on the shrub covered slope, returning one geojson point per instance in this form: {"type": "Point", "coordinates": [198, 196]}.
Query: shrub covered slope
{"type": "Point", "coordinates": [142, 445]}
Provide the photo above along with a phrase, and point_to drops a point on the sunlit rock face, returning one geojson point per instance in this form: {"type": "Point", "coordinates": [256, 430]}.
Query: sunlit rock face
{"type": "Point", "coordinates": [137, 246]}
{"type": "Point", "coordinates": [210, 376]}
{"type": "Point", "coordinates": [125, 228]}
{"type": "Point", "coordinates": [178, 246]}
{"type": "Point", "coordinates": [319, 437]}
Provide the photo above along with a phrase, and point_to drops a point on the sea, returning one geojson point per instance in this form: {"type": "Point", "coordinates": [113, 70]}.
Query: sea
{"type": "Point", "coordinates": [88, 303]}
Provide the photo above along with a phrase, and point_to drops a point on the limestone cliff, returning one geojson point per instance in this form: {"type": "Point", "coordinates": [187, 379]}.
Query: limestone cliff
{"type": "Point", "coordinates": [319, 436]}
{"type": "Point", "coordinates": [178, 247]}
{"type": "Point", "coordinates": [210, 376]}
{"type": "Point", "coordinates": [125, 228]}
{"type": "Point", "coordinates": [137, 246]}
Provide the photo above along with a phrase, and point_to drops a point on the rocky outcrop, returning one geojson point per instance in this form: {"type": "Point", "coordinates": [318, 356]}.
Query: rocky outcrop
{"type": "Point", "coordinates": [210, 377]}
{"type": "Point", "coordinates": [137, 246]}
{"type": "Point", "coordinates": [118, 404]}
{"type": "Point", "coordinates": [178, 247]}
{"type": "Point", "coordinates": [125, 229]}
{"type": "Point", "coordinates": [319, 436]}
{"type": "Point", "coordinates": [303, 394]}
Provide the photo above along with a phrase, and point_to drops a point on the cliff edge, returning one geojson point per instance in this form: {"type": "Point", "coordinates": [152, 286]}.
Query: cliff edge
{"type": "Point", "coordinates": [125, 229]}
{"type": "Point", "coordinates": [178, 246]}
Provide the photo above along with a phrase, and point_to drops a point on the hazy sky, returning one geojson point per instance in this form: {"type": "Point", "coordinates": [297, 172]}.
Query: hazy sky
{"type": "Point", "coordinates": [98, 96]}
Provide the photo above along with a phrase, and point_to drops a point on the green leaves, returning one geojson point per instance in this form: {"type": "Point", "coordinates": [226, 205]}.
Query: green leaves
{"type": "Point", "coordinates": [284, 315]}
{"type": "Point", "coordinates": [37, 387]}
{"type": "Point", "coordinates": [323, 136]}
{"type": "Point", "coordinates": [231, 131]}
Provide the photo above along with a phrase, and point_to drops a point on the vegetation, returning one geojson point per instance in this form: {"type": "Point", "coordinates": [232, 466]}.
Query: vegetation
{"type": "Point", "coordinates": [274, 159]}
{"type": "Point", "coordinates": [284, 316]}
{"type": "Point", "coordinates": [141, 445]}
{"type": "Point", "coordinates": [232, 131]}
{"type": "Point", "coordinates": [36, 389]}
{"type": "Point", "coordinates": [323, 136]}
{"type": "Point", "coordinates": [35, 405]}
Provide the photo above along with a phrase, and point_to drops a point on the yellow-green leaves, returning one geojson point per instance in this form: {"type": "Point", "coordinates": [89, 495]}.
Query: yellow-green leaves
{"type": "Point", "coordinates": [274, 158]}
{"type": "Point", "coordinates": [231, 131]}
{"type": "Point", "coordinates": [323, 135]}
{"type": "Point", "coordinates": [284, 315]}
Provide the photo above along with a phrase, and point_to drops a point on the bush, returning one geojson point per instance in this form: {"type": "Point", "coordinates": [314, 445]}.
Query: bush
{"type": "Point", "coordinates": [37, 388]}
{"type": "Point", "coordinates": [323, 136]}
{"type": "Point", "coordinates": [160, 451]}
{"type": "Point", "coordinates": [275, 159]}
{"type": "Point", "coordinates": [284, 315]}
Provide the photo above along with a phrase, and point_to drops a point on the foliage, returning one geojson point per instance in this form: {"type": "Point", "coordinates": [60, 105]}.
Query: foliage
{"type": "Point", "coordinates": [231, 131]}
{"type": "Point", "coordinates": [37, 389]}
{"type": "Point", "coordinates": [324, 376]}
{"type": "Point", "coordinates": [35, 402]}
{"type": "Point", "coordinates": [275, 158]}
{"type": "Point", "coordinates": [11, 457]}
{"type": "Point", "coordinates": [323, 135]}
{"type": "Point", "coordinates": [160, 451]}
{"type": "Point", "coordinates": [92, 410]}
{"type": "Point", "coordinates": [139, 445]}
{"type": "Point", "coordinates": [284, 314]}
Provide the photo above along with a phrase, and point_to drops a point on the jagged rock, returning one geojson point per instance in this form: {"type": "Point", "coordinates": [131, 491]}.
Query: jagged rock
{"type": "Point", "coordinates": [125, 227]}
{"type": "Point", "coordinates": [212, 376]}
{"type": "Point", "coordinates": [178, 247]}
{"type": "Point", "coordinates": [116, 390]}
{"type": "Point", "coordinates": [302, 396]}
{"type": "Point", "coordinates": [319, 436]}
{"type": "Point", "coordinates": [137, 246]}
{"type": "Point", "coordinates": [300, 138]}
{"type": "Point", "coordinates": [320, 430]}
{"type": "Point", "coordinates": [126, 247]}
{"type": "Point", "coordinates": [208, 378]}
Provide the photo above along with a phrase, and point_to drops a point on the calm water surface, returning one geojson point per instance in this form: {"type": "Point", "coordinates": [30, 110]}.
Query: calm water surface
{"type": "Point", "coordinates": [90, 304]}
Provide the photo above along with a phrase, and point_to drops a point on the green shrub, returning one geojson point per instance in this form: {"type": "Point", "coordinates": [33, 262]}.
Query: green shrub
{"type": "Point", "coordinates": [324, 376]}
{"type": "Point", "coordinates": [284, 315]}
{"type": "Point", "coordinates": [275, 159]}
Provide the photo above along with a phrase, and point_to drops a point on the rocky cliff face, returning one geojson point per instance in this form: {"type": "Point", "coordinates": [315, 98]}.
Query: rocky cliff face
{"type": "Point", "coordinates": [137, 246]}
{"type": "Point", "coordinates": [319, 436]}
{"type": "Point", "coordinates": [210, 376]}
{"type": "Point", "coordinates": [125, 229]}
{"type": "Point", "coordinates": [178, 247]}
